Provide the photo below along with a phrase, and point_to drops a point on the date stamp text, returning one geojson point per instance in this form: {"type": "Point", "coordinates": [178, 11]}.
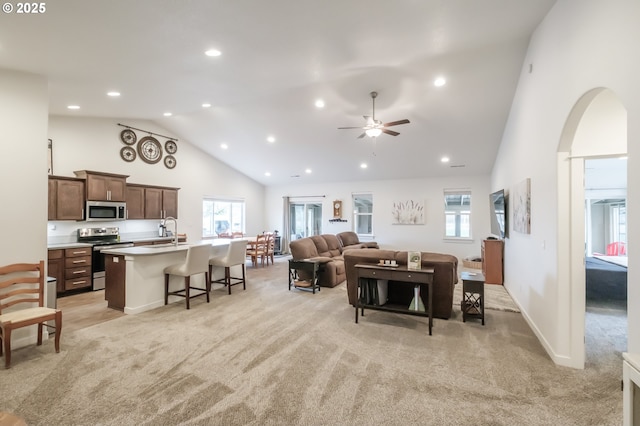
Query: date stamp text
{"type": "Point", "coordinates": [24, 8]}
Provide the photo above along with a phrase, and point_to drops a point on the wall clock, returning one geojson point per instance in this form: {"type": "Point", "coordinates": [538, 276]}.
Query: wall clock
{"type": "Point", "coordinates": [171, 147]}
{"type": "Point", "coordinates": [128, 154]}
{"type": "Point", "coordinates": [150, 150]}
{"type": "Point", "coordinates": [337, 209]}
{"type": "Point", "coordinates": [128, 136]}
{"type": "Point", "coordinates": [170, 161]}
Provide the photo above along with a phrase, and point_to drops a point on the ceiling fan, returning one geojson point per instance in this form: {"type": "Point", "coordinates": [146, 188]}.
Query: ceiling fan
{"type": "Point", "coordinates": [375, 128]}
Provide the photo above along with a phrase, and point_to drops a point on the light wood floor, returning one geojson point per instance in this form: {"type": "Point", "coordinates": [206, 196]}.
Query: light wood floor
{"type": "Point", "coordinates": [84, 310]}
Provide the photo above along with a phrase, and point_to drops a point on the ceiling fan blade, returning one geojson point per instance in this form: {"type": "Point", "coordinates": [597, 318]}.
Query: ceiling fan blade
{"type": "Point", "coordinates": [395, 123]}
{"type": "Point", "coordinates": [390, 132]}
{"type": "Point", "coordinates": [361, 136]}
{"type": "Point", "coordinates": [359, 127]}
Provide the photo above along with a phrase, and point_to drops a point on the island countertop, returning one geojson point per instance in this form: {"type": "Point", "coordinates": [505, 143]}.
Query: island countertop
{"type": "Point", "coordinates": [163, 248]}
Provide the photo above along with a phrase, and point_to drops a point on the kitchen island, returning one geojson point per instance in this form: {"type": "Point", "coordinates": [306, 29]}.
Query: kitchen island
{"type": "Point", "coordinates": [134, 277]}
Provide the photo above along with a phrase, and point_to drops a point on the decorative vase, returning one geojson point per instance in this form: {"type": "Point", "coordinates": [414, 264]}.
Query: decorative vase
{"type": "Point", "coordinates": [416, 303]}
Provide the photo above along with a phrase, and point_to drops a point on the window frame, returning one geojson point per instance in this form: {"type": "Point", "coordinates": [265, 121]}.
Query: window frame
{"type": "Point", "coordinates": [357, 215]}
{"type": "Point", "coordinates": [458, 215]}
{"type": "Point", "coordinates": [231, 201]}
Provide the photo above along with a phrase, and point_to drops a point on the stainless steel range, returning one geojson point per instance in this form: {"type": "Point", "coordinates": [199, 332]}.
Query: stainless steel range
{"type": "Point", "coordinates": [102, 239]}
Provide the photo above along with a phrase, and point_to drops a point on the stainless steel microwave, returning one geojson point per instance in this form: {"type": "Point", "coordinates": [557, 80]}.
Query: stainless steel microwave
{"type": "Point", "coordinates": [104, 211]}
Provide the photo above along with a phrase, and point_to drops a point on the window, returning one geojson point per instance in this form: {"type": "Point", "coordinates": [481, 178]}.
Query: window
{"type": "Point", "coordinates": [222, 216]}
{"type": "Point", "coordinates": [457, 214]}
{"type": "Point", "coordinates": [363, 214]}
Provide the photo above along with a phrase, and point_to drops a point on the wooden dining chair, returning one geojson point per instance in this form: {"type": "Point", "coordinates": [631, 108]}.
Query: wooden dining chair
{"type": "Point", "coordinates": [269, 246]}
{"type": "Point", "coordinates": [257, 249]}
{"type": "Point", "coordinates": [22, 285]}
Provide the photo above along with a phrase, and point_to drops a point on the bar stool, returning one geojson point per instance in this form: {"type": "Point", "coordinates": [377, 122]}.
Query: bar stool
{"type": "Point", "coordinates": [236, 254]}
{"type": "Point", "coordinates": [196, 263]}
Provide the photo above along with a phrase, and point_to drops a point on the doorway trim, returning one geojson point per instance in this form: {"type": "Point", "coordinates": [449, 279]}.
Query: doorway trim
{"type": "Point", "coordinates": [571, 231]}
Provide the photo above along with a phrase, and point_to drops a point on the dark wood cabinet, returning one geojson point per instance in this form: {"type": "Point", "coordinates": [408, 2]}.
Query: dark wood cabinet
{"type": "Point", "coordinates": [77, 268]}
{"type": "Point", "coordinates": [135, 201]}
{"type": "Point", "coordinates": [104, 186]}
{"type": "Point", "coordinates": [492, 265]}
{"type": "Point", "coordinates": [114, 290]}
{"type": "Point", "coordinates": [70, 267]}
{"type": "Point", "coordinates": [55, 268]}
{"type": "Point", "coordinates": [160, 203]}
{"type": "Point", "coordinates": [66, 198]}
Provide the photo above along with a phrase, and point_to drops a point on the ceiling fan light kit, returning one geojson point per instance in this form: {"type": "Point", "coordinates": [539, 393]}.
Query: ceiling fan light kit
{"type": "Point", "coordinates": [375, 128]}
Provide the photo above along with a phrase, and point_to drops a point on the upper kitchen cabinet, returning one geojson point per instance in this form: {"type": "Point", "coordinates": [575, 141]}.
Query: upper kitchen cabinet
{"type": "Point", "coordinates": [104, 186]}
{"type": "Point", "coordinates": [160, 202]}
{"type": "Point", "coordinates": [66, 198]}
{"type": "Point", "coordinates": [135, 201]}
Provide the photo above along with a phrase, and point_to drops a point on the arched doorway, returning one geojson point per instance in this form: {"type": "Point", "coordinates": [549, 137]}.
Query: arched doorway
{"type": "Point", "coordinates": [595, 128]}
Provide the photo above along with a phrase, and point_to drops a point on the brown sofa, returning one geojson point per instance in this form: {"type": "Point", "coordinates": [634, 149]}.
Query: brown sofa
{"type": "Point", "coordinates": [350, 240]}
{"type": "Point", "coordinates": [325, 249]}
{"type": "Point", "coordinates": [444, 278]}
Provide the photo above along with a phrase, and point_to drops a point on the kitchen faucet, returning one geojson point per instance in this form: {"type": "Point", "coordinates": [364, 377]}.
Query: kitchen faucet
{"type": "Point", "coordinates": [175, 225]}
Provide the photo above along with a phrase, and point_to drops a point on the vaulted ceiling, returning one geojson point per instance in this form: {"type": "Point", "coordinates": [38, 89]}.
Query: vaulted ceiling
{"type": "Point", "coordinates": [277, 59]}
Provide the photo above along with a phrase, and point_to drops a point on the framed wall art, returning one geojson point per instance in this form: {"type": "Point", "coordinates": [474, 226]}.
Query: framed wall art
{"type": "Point", "coordinates": [410, 212]}
{"type": "Point", "coordinates": [522, 207]}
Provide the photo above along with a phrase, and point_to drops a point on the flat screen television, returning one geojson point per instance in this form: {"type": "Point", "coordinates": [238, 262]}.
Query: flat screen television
{"type": "Point", "coordinates": [498, 205]}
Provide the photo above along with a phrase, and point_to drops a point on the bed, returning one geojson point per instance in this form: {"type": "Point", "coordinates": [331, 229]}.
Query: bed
{"type": "Point", "coordinates": [605, 280]}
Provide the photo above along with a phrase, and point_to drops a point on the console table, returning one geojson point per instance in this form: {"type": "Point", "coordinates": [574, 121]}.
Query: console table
{"type": "Point", "coordinates": [400, 275]}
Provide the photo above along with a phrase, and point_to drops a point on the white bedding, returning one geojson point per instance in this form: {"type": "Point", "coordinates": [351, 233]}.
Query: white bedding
{"type": "Point", "coordinates": [618, 260]}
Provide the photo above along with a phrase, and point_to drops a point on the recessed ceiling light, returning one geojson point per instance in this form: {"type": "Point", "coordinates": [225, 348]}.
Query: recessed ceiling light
{"type": "Point", "coordinates": [363, 165]}
{"type": "Point", "coordinates": [440, 81]}
{"type": "Point", "coordinates": [224, 146]}
{"type": "Point", "coordinates": [271, 139]}
{"type": "Point", "coordinates": [206, 105]}
{"type": "Point", "coordinates": [307, 171]}
{"type": "Point", "coordinates": [113, 94]}
{"type": "Point", "coordinates": [73, 107]}
{"type": "Point", "coordinates": [213, 52]}
{"type": "Point", "coordinates": [267, 174]}
{"type": "Point", "coordinates": [444, 160]}
{"type": "Point", "coordinates": [167, 114]}
{"type": "Point", "coordinates": [319, 103]}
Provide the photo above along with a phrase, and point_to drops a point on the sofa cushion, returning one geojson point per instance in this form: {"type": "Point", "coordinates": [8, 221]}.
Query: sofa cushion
{"type": "Point", "coordinates": [333, 244]}
{"type": "Point", "coordinates": [304, 248]}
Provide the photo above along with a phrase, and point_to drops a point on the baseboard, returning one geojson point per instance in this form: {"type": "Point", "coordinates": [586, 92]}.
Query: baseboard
{"type": "Point", "coordinates": [563, 360]}
{"type": "Point", "coordinates": [143, 308]}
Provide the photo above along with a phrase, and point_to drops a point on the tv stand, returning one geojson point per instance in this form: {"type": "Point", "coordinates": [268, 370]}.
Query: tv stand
{"type": "Point", "coordinates": [492, 264]}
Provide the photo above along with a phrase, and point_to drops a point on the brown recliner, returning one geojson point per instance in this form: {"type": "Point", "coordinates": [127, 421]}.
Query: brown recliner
{"type": "Point", "coordinates": [350, 240]}
{"type": "Point", "coordinates": [326, 250]}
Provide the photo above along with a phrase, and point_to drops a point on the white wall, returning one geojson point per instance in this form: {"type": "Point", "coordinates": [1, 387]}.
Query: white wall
{"type": "Point", "coordinates": [427, 237]}
{"type": "Point", "coordinates": [94, 144]}
{"type": "Point", "coordinates": [581, 45]}
{"type": "Point", "coordinates": [23, 172]}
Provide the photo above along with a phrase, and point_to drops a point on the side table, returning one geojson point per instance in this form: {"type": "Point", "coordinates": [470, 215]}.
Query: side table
{"type": "Point", "coordinates": [310, 268]}
{"type": "Point", "coordinates": [472, 304]}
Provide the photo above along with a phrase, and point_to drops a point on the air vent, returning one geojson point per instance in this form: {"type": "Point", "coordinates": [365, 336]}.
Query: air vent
{"type": "Point", "coordinates": [295, 176]}
{"type": "Point", "coordinates": [457, 166]}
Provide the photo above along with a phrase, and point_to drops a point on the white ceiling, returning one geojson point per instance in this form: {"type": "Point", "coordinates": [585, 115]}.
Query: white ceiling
{"type": "Point", "coordinates": [277, 58]}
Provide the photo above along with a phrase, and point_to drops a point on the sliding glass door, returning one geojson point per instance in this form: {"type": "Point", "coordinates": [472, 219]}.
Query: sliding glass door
{"type": "Point", "coordinates": [306, 219]}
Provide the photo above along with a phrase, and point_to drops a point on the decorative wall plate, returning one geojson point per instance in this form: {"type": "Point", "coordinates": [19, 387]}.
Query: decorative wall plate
{"type": "Point", "coordinates": [170, 161]}
{"type": "Point", "coordinates": [171, 147]}
{"type": "Point", "coordinates": [150, 150]}
{"type": "Point", "coordinates": [128, 154]}
{"type": "Point", "coordinates": [128, 136]}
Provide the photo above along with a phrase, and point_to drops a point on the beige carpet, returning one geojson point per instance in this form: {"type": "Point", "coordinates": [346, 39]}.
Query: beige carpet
{"type": "Point", "coordinates": [269, 356]}
{"type": "Point", "coordinates": [496, 297]}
